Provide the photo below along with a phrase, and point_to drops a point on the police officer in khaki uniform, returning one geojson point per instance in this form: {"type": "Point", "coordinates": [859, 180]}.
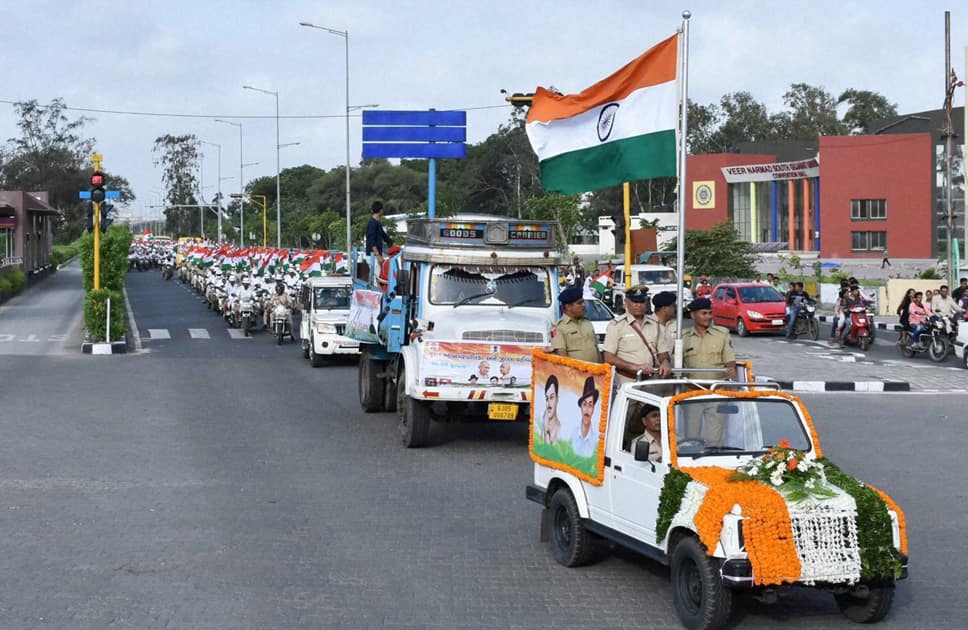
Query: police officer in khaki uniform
{"type": "Point", "coordinates": [573, 335]}
{"type": "Point", "coordinates": [634, 343]}
{"type": "Point", "coordinates": [706, 346]}
{"type": "Point", "coordinates": [664, 312]}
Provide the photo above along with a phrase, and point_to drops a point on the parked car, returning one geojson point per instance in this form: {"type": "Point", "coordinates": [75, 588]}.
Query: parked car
{"type": "Point", "coordinates": [599, 315]}
{"type": "Point", "coordinates": [749, 308]}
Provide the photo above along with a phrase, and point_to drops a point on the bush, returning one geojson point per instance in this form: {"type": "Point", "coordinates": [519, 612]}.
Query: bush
{"type": "Point", "coordinates": [930, 274]}
{"type": "Point", "coordinates": [62, 253]}
{"type": "Point", "coordinates": [4, 286]}
{"type": "Point", "coordinates": [16, 280]}
{"type": "Point", "coordinates": [95, 314]}
{"type": "Point", "coordinates": [114, 258]}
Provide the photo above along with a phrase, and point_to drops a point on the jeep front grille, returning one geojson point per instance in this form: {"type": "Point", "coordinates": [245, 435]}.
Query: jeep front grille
{"type": "Point", "coordinates": [340, 329]}
{"type": "Point", "coordinates": [518, 336]}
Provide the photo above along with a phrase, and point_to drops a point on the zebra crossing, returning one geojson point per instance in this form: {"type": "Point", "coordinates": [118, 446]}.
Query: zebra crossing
{"type": "Point", "coordinates": [162, 334]}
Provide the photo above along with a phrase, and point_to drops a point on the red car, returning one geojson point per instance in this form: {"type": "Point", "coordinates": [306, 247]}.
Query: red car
{"type": "Point", "coordinates": [748, 307]}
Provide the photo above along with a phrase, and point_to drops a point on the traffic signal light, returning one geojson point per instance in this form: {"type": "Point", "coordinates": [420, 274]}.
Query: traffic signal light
{"type": "Point", "coordinates": [89, 216]}
{"type": "Point", "coordinates": [107, 216]}
{"type": "Point", "coordinates": [97, 186]}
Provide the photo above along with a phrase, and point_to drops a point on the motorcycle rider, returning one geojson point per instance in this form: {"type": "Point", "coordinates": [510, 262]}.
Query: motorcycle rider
{"type": "Point", "coordinates": [795, 301]}
{"type": "Point", "coordinates": [231, 292]}
{"type": "Point", "coordinates": [944, 305]}
{"type": "Point", "coordinates": [917, 316]}
{"type": "Point", "coordinates": [244, 293]}
{"type": "Point", "coordinates": [281, 297]}
{"type": "Point", "coordinates": [853, 299]}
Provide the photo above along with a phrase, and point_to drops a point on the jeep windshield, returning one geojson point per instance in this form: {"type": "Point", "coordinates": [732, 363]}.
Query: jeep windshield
{"type": "Point", "coordinates": [656, 276]}
{"type": "Point", "coordinates": [490, 286]}
{"type": "Point", "coordinates": [328, 298]}
{"type": "Point", "coordinates": [736, 426]}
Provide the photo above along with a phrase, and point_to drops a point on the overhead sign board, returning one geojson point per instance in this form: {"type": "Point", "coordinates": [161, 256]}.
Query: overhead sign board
{"type": "Point", "coordinates": [426, 134]}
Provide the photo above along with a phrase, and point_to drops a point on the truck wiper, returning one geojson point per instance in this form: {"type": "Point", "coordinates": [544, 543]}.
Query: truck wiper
{"type": "Point", "coordinates": [527, 301]}
{"type": "Point", "coordinates": [713, 450]}
{"type": "Point", "coordinates": [473, 297]}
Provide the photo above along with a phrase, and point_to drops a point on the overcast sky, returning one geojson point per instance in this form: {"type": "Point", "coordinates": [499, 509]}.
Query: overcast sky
{"type": "Point", "coordinates": [192, 58]}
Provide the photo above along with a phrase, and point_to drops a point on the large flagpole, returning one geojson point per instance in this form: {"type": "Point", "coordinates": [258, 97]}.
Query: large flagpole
{"type": "Point", "coordinates": [681, 194]}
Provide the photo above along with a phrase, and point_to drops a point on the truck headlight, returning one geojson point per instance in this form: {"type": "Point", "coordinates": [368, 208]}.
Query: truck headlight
{"type": "Point", "coordinates": [324, 328]}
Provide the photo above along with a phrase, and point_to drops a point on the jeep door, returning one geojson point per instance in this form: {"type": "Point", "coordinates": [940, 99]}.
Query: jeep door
{"type": "Point", "coordinates": [634, 486]}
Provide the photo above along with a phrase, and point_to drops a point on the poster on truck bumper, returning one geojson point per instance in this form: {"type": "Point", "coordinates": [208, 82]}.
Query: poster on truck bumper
{"type": "Point", "coordinates": [569, 410]}
{"type": "Point", "coordinates": [479, 365]}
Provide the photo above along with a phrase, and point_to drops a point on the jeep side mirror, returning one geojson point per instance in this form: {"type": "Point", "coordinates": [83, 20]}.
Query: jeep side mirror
{"type": "Point", "coordinates": [641, 454]}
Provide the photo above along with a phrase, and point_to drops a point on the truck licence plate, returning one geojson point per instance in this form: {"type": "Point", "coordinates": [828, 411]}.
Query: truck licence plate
{"type": "Point", "coordinates": [502, 411]}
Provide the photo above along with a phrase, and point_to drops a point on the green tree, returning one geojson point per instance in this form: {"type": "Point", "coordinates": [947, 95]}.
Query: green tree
{"type": "Point", "coordinates": [52, 154]}
{"type": "Point", "coordinates": [864, 107]}
{"type": "Point", "coordinates": [562, 209]}
{"type": "Point", "coordinates": [720, 252]}
{"type": "Point", "coordinates": [178, 157]}
{"type": "Point", "coordinates": [703, 121]}
{"type": "Point", "coordinates": [813, 112]}
{"type": "Point", "coordinates": [744, 120]}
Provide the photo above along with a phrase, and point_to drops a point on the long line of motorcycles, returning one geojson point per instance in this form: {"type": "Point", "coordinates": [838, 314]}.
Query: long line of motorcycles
{"type": "Point", "coordinates": [243, 301]}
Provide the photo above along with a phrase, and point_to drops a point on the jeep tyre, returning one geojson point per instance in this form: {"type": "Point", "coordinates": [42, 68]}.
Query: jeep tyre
{"type": "Point", "coordinates": [414, 415]}
{"type": "Point", "coordinates": [571, 544]}
{"type": "Point", "coordinates": [314, 359]}
{"type": "Point", "coordinates": [870, 609]}
{"type": "Point", "coordinates": [371, 387]}
{"type": "Point", "coordinates": [700, 598]}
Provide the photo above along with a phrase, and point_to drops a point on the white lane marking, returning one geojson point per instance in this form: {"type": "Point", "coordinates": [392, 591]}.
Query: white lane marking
{"type": "Point", "coordinates": [198, 333]}
{"type": "Point", "coordinates": [158, 333]}
{"type": "Point", "coordinates": [237, 333]}
{"type": "Point", "coordinates": [31, 338]}
{"type": "Point", "coordinates": [7, 337]}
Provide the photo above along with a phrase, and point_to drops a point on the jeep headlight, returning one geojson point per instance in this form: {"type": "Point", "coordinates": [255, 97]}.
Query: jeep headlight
{"type": "Point", "coordinates": [324, 328]}
{"type": "Point", "coordinates": [755, 314]}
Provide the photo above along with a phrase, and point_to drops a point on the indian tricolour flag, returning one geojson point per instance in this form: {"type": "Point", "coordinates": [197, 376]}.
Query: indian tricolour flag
{"type": "Point", "coordinates": [621, 129]}
{"type": "Point", "coordinates": [601, 282]}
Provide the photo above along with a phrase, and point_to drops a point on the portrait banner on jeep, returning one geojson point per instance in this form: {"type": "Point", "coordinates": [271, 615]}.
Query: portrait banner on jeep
{"type": "Point", "coordinates": [569, 411]}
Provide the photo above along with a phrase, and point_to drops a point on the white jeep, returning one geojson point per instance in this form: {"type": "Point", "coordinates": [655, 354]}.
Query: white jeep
{"type": "Point", "coordinates": [717, 533]}
{"type": "Point", "coordinates": [325, 304]}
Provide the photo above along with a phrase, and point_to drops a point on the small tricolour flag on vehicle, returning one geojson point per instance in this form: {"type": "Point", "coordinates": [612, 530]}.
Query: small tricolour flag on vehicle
{"type": "Point", "coordinates": [621, 129]}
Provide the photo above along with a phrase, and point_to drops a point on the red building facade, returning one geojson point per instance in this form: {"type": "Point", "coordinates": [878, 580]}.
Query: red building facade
{"type": "Point", "coordinates": [868, 193]}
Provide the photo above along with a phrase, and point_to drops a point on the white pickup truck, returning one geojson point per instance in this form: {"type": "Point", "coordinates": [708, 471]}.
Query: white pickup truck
{"type": "Point", "coordinates": [793, 518]}
{"type": "Point", "coordinates": [325, 304]}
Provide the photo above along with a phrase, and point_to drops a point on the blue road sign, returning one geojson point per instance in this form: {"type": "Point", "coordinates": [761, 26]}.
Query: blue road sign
{"type": "Point", "coordinates": [449, 118]}
{"type": "Point", "coordinates": [108, 194]}
{"type": "Point", "coordinates": [414, 134]}
{"type": "Point", "coordinates": [414, 150]}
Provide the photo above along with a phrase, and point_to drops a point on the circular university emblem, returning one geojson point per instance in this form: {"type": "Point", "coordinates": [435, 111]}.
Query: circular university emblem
{"type": "Point", "coordinates": [606, 120]}
{"type": "Point", "coordinates": [703, 194]}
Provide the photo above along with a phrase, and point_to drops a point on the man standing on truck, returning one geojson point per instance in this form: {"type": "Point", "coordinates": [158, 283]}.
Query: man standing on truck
{"type": "Point", "coordinates": [573, 335]}
{"type": "Point", "coordinates": [706, 346]}
{"type": "Point", "coordinates": [376, 236]}
{"type": "Point", "coordinates": [634, 343]}
{"type": "Point", "coordinates": [664, 312]}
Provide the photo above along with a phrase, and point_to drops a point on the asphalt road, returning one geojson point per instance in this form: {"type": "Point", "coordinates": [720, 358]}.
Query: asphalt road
{"type": "Point", "coordinates": [224, 483]}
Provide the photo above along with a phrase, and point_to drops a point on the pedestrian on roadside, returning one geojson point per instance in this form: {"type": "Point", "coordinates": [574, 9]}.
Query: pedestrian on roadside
{"type": "Point", "coordinates": [885, 261]}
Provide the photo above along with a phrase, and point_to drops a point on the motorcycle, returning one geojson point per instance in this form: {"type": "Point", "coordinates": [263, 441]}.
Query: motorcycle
{"type": "Point", "coordinates": [934, 341]}
{"type": "Point", "coordinates": [166, 271]}
{"type": "Point", "coordinates": [247, 315]}
{"type": "Point", "coordinates": [806, 321]}
{"type": "Point", "coordinates": [280, 323]}
{"type": "Point", "coordinates": [860, 333]}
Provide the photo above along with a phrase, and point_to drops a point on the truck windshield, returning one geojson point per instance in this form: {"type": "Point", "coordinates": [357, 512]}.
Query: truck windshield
{"type": "Point", "coordinates": [657, 276]}
{"type": "Point", "coordinates": [490, 286]}
{"type": "Point", "coordinates": [331, 297]}
{"type": "Point", "coordinates": [736, 425]}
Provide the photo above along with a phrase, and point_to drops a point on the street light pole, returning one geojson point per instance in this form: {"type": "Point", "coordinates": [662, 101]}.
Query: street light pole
{"type": "Point", "coordinates": [278, 188]}
{"type": "Point", "coordinates": [241, 182]}
{"type": "Point", "coordinates": [346, 36]}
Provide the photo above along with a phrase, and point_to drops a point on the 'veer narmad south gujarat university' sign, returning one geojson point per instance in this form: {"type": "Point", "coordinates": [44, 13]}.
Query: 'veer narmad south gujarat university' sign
{"type": "Point", "coordinates": [772, 171]}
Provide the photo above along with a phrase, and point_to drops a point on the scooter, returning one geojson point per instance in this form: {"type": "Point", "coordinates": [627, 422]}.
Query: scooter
{"type": "Point", "coordinates": [860, 329]}
{"type": "Point", "coordinates": [934, 341]}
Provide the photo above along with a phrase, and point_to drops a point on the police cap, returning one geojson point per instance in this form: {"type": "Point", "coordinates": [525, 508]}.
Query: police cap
{"type": "Point", "coordinates": [569, 295]}
{"type": "Point", "coordinates": [700, 304]}
{"type": "Point", "coordinates": [663, 298]}
{"type": "Point", "coordinates": [638, 293]}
